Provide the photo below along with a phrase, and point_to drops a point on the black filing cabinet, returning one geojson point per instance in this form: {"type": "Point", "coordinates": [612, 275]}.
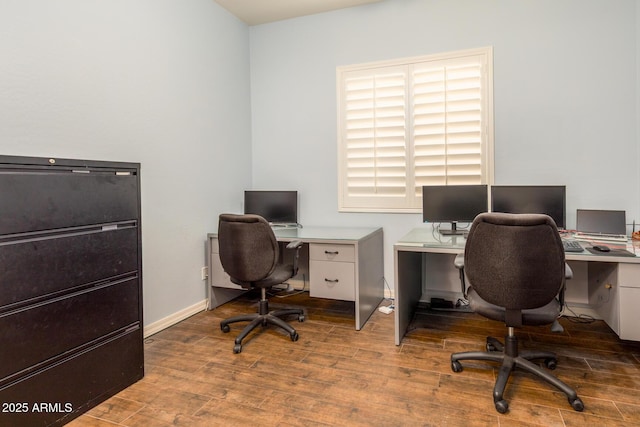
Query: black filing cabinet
{"type": "Point", "coordinates": [70, 286]}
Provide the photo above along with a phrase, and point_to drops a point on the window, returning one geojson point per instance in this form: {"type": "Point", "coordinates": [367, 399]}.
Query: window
{"type": "Point", "coordinates": [413, 122]}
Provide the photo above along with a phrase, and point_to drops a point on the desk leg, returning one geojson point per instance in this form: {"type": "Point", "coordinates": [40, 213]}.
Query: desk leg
{"type": "Point", "coordinates": [408, 278]}
{"type": "Point", "coordinates": [219, 296]}
{"type": "Point", "coordinates": [370, 278]}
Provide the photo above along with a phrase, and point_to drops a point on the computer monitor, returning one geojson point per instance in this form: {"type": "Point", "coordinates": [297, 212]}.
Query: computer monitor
{"type": "Point", "coordinates": [601, 221]}
{"type": "Point", "coordinates": [453, 203]}
{"type": "Point", "coordinates": [540, 199]}
{"type": "Point", "coordinates": [277, 207]}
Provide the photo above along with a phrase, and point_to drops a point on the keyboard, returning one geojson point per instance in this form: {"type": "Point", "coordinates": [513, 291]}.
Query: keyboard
{"type": "Point", "coordinates": [572, 246]}
{"type": "Point", "coordinates": [601, 236]}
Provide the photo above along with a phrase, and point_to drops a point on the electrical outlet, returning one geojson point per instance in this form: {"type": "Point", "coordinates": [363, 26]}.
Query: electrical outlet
{"type": "Point", "coordinates": [204, 273]}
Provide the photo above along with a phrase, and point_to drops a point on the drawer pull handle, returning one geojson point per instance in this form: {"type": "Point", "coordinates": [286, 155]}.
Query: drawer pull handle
{"type": "Point", "coordinates": [331, 282]}
{"type": "Point", "coordinates": [331, 252]}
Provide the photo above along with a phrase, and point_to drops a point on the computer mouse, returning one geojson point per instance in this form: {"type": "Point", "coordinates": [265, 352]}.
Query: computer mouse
{"type": "Point", "coordinates": [601, 248]}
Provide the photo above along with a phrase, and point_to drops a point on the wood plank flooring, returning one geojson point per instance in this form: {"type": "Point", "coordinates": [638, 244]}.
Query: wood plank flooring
{"type": "Point", "coordinates": [337, 376]}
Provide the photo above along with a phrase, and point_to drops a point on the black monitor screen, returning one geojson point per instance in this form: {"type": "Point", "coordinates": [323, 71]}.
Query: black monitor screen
{"type": "Point", "coordinates": [601, 221]}
{"type": "Point", "coordinates": [540, 199]}
{"type": "Point", "coordinates": [274, 206]}
{"type": "Point", "coordinates": [453, 203]}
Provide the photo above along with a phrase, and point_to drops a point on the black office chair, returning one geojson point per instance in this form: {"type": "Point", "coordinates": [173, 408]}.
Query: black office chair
{"type": "Point", "coordinates": [516, 272]}
{"type": "Point", "coordinates": [250, 254]}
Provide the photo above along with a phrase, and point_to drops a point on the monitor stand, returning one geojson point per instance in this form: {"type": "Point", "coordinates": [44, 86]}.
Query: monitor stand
{"type": "Point", "coordinates": [279, 225]}
{"type": "Point", "coordinates": [453, 232]}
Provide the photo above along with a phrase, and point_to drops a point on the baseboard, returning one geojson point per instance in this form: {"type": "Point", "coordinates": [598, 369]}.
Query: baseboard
{"type": "Point", "coordinates": [174, 318]}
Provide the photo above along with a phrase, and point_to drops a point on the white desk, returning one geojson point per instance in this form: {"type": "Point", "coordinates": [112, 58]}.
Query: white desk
{"type": "Point", "coordinates": [338, 263]}
{"type": "Point", "coordinates": [613, 281]}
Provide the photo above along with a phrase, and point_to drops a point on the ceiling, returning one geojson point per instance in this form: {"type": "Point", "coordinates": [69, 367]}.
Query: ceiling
{"type": "Point", "coordinates": [255, 12]}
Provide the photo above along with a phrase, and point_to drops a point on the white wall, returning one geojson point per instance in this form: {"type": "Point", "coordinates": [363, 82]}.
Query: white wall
{"type": "Point", "coordinates": [564, 96]}
{"type": "Point", "coordinates": [160, 82]}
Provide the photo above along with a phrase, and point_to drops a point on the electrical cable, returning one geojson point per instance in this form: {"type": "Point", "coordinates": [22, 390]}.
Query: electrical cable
{"type": "Point", "coordinates": [577, 318]}
{"type": "Point", "coordinates": [295, 291]}
{"type": "Point", "coordinates": [386, 284]}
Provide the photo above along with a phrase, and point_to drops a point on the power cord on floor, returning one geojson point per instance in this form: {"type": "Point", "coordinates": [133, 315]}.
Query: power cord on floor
{"type": "Point", "coordinates": [577, 318]}
{"type": "Point", "coordinates": [388, 309]}
{"type": "Point", "coordinates": [386, 284]}
{"type": "Point", "coordinates": [288, 293]}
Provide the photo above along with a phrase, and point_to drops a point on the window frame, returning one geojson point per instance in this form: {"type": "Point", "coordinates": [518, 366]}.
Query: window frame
{"type": "Point", "coordinates": [410, 202]}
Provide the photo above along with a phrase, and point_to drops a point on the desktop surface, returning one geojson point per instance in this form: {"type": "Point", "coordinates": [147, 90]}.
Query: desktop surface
{"type": "Point", "coordinates": [428, 236]}
{"type": "Point", "coordinates": [324, 233]}
{"type": "Point", "coordinates": [426, 239]}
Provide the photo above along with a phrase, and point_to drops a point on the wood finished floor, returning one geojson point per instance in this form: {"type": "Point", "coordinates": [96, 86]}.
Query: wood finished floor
{"type": "Point", "coordinates": [337, 376]}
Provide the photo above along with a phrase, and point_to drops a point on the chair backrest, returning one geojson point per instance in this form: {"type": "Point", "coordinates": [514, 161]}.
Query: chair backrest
{"type": "Point", "coordinates": [248, 248]}
{"type": "Point", "coordinates": [515, 261]}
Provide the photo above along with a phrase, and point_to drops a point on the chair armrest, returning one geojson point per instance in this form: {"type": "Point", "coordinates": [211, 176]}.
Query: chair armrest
{"type": "Point", "coordinates": [568, 272]}
{"type": "Point", "coordinates": [459, 261]}
{"type": "Point", "coordinates": [295, 244]}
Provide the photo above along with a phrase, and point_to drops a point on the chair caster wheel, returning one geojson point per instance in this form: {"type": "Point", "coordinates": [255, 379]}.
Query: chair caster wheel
{"type": "Point", "coordinates": [301, 318]}
{"type": "Point", "coordinates": [294, 336]}
{"type": "Point", "coordinates": [225, 328]}
{"type": "Point", "coordinates": [502, 406]}
{"type": "Point", "coordinates": [237, 348]}
{"type": "Point", "coordinates": [490, 347]}
{"type": "Point", "coordinates": [456, 366]}
{"type": "Point", "coordinates": [551, 363]}
{"type": "Point", "coordinates": [577, 404]}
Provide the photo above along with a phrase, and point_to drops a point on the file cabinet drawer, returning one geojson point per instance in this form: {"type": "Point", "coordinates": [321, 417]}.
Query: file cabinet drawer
{"type": "Point", "coordinates": [333, 280]}
{"type": "Point", "coordinates": [45, 201]}
{"type": "Point", "coordinates": [328, 252]}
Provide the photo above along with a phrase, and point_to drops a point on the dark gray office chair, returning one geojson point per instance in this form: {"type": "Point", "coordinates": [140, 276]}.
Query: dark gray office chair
{"type": "Point", "coordinates": [516, 272]}
{"type": "Point", "coordinates": [250, 254]}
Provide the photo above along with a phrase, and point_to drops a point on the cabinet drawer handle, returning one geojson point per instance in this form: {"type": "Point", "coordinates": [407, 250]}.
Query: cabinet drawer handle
{"type": "Point", "coordinates": [331, 282]}
{"type": "Point", "coordinates": [331, 252]}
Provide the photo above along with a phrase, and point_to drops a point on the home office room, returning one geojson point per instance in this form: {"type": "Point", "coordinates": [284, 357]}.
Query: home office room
{"type": "Point", "coordinates": [127, 128]}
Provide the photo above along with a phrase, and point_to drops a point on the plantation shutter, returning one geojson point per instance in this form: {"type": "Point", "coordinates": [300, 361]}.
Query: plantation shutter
{"type": "Point", "coordinates": [375, 112]}
{"type": "Point", "coordinates": [447, 124]}
{"type": "Point", "coordinates": [409, 123]}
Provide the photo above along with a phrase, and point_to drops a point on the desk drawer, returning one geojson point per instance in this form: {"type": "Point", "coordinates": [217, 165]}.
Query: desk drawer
{"type": "Point", "coordinates": [333, 280]}
{"type": "Point", "coordinates": [327, 252]}
{"type": "Point", "coordinates": [219, 278]}
{"type": "Point", "coordinates": [629, 275]}
{"type": "Point", "coordinates": [215, 246]}
{"type": "Point", "coordinates": [629, 316]}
